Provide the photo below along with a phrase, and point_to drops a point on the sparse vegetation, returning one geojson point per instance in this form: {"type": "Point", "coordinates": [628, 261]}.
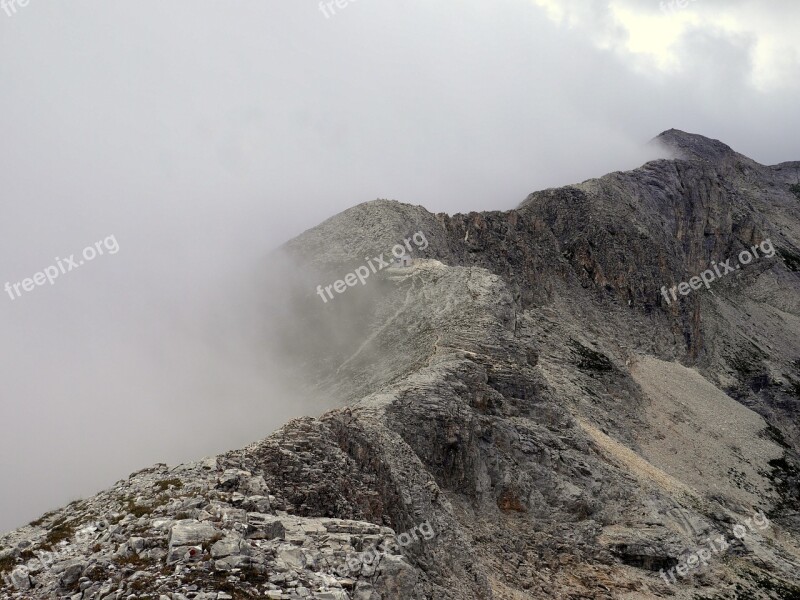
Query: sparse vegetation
{"type": "Point", "coordinates": [133, 561]}
{"type": "Point", "coordinates": [206, 546]}
{"type": "Point", "coordinates": [165, 484]}
{"type": "Point", "coordinates": [137, 510]}
{"type": "Point", "coordinates": [7, 564]}
{"type": "Point", "coordinates": [26, 555]}
{"type": "Point", "coordinates": [61, 530]}
{"type": "Point", "coordinates": [795, 189]}
{"type": "Point", "coordinates": [239, 590]}
{"type": "Point", "coordinates": [42, 519]}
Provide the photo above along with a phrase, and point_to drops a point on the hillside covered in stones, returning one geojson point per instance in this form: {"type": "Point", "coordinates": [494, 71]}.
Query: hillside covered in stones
{"type": "Point", "coordinates": [526, 411]}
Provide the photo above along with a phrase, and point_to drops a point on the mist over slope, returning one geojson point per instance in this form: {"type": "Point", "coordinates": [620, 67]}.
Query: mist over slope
{"type": "Point", "coordinates": [550, 402]}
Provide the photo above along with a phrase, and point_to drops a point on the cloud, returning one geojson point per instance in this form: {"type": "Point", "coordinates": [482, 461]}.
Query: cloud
{"type": "Point", "coordinates": [656, 36]}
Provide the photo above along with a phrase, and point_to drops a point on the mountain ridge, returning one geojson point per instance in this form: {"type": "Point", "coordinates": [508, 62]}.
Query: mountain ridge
{"type": "Point", "coordinates": [524, 389]}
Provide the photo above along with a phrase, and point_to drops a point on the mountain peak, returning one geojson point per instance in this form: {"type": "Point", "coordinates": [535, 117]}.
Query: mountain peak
{"type": "Point", "coordinates": [694, 146]}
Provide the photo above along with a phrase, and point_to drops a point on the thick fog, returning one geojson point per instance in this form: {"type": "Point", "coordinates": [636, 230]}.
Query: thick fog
{"type": "Point", "coordinates": [190, 138]}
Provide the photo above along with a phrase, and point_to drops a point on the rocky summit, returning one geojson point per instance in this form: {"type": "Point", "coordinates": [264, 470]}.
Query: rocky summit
{"type": "Point", "coordinates": [594, 395]}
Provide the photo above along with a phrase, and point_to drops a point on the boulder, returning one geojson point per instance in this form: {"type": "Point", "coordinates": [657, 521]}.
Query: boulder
{"type": "Point", "coordinates": [186, 534]}
{"type": "Point", "coordinates": [267, 527]}
{"type": "Point", "coordinates": [230, 544]}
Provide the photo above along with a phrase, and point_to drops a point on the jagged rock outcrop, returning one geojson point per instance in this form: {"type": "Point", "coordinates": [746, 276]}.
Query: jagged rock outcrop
{"type": "Point", "coordinates": [524, 413]}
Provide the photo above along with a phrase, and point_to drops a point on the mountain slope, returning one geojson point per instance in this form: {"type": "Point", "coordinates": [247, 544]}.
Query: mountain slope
{"type": "Point", "coordinates": [524, 411]}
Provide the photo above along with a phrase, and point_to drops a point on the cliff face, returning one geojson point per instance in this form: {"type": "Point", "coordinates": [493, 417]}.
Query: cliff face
{"type": "Point", "coordinates": [527, 412]}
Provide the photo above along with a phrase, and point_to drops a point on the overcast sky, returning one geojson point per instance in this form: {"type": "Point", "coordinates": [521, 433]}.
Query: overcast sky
{"type": "Point", "coordinates": [202, 134]}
